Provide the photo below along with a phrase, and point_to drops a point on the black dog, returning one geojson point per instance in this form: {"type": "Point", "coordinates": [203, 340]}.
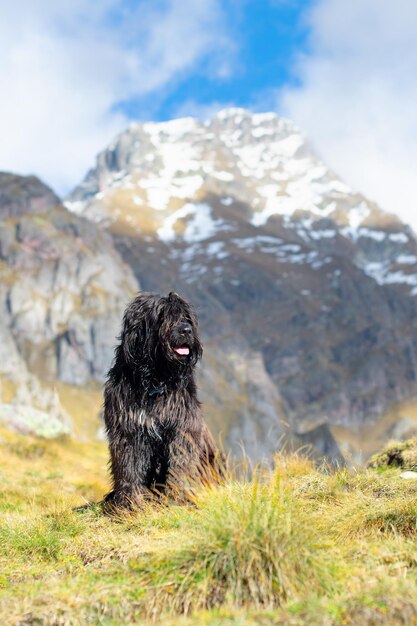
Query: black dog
{"type": "Point", "coordinates": [157, 436]}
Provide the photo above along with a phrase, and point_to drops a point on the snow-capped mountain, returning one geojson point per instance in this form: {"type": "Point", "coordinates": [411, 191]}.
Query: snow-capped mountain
{"type": "Point", "coordinates": [307, 290]}
{"type": "Point", "coordinates": [155, 177]}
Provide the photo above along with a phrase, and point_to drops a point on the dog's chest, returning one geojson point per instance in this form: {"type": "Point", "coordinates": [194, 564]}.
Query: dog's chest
{"type": "Point", "coordinates": [164, 416]}
{"type": "Point", "coordinates": [150, 426]}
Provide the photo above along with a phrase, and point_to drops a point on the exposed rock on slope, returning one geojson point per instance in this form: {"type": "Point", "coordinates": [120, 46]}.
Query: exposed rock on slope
{"type": "Point", "coordinates": [305, 289]}
{"type": "Point", "coordinates": [63, 288]}
{"type": "Point", "coordinates": [29, 421]}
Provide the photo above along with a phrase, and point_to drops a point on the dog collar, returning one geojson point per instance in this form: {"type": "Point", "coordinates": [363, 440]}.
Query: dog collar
{"type": "Point", "coordinates": [157, 391]}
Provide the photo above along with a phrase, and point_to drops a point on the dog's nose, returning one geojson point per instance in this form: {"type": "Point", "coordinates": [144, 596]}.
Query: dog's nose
{"type": "Point", "coordinates": [185, 329]}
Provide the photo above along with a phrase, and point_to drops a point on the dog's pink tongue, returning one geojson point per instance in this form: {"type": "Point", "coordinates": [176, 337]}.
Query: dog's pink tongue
{"type": "Point", "coordinates": [183, 350]}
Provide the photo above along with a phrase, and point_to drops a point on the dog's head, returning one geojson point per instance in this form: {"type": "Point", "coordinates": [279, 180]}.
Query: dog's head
{"type": "Point", "coordinates": [161, 332]}
{"type": "Point", "coordinates": [178, 330]}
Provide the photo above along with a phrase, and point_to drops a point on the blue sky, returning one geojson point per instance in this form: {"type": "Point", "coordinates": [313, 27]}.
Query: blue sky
{"type": "Point", "coordinates": [265, 39]}
{"type": "Point", "coordinates": [73, 74]}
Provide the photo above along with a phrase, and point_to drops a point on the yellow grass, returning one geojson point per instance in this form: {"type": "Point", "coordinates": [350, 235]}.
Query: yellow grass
{"type": "Point", "coordinates": [287, 545]}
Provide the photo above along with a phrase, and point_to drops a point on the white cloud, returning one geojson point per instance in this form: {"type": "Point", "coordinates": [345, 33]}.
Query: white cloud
{"type": "Point", "coordinates": [357, 98]}
{"type": "Point", "coordinates": [64, 66]}
{"type": "Point", "coordinates": [202, 111]}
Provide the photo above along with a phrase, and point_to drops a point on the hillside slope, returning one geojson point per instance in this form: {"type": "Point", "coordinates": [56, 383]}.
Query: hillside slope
{"type": "Point", "coordinates": [292, 546]}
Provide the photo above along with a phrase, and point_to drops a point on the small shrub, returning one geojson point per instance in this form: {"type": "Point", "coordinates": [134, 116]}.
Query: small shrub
{"type": "Point", "coordinates": [248, 545]}
{"type": "Point", "coordinates": [396, 454]}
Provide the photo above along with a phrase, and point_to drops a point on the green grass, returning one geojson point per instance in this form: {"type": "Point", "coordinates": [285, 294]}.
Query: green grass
{"type": "Point", "coordinates": [291, 545]}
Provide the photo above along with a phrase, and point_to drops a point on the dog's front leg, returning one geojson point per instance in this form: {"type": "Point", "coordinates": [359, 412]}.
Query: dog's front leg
{"type": "Point", "coordinates": [131, 470]}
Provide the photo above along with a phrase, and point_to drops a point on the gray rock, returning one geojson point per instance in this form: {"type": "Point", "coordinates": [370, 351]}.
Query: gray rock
{"type": "Point", "coordinates": [63, 289]}
{"type": "Point", "coordinates": [30, 421]}
{"type": "Point", "coordinates": [319, 441]}
{"type": "Point", "coordinates": [409, 475]}
{"type": "Point", "coordinates": [22, 195]}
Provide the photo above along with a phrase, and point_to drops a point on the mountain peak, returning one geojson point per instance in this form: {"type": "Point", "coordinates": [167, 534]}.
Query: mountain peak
{"type": "Point", "coordinates": [236, 153]}
{"type": "Point", "coordinates": [24, 194]}
{"type": "Point", "coordinates": [259, 159]}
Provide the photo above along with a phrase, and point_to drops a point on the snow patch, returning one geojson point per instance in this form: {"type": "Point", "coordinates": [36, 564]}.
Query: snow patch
{"type": "Point", "coordinates": [358, 215]}
{"type": "Point", "coordinates": [289, 146]}
{"type": "Point", "coordinates": [379, 271]}
{"type": "Point", "coordinates": [158, 197]}
{"type": "Point", "coordinates": [269, 191]}
{"type": "Point", "coordinates": [222, 175]}
{"type": "Point", "coordinates": [406, 259]}
{"type": "Point", "coordinates": [262, 132]}
{"type": "Point", "coordinates": [217, 249]}
{"type": "Point", "coordinates": [201, 225]}
{"type": "Point", "coordinates": [287, 253]}
{"type": "Point", "coordinates": [280, 205]}
{"type": "Point", "coordinates": [357, 233]}
{"type": "Point", "coordinates": [322, 234]}
{"type": "Point", "coordinates": [75, 206]}
{"type": "Point", "coordinates": [234, 112]}
{"type": "Point", "coordinates": [261, 118]}
{"type": "Point", "coordinates": [166, 232]}
{"type": "Point", "coordinates": [400, 278]}
{"type": "Point", "coordinates": [377, 235]}
{"type": "Point", "coordinates": [176, 127]}
{"type": "Point", "coordinates": [252, 243]}
{"type": "Point", "coordinates": [398, 237]}
{"type": "Point", "coordinates": [187, 186]}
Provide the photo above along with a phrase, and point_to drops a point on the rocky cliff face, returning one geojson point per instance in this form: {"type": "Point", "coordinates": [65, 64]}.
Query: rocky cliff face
{"type": "Point", "coordinates": [63, 288]}
{"type": "Point", "coordinates": [306, 290]}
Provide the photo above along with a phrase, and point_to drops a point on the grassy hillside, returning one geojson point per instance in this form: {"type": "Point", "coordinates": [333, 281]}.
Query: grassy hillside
{"type": "Point", "coordinates": [292, 545]}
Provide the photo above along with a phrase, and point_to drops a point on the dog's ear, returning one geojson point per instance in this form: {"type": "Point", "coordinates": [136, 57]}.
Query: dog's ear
{"type": "Point", "coordinates": [131, 346]}
{"type": "Point", "coordinates": [198, 346]}
{"type": "Point", "coordinates": [198, 351]}
{"type": "Point", "coordinates": [133, 336]}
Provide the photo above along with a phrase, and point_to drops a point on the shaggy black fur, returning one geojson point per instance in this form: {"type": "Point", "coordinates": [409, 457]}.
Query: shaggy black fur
{"type": "Point", "coordinates": [157, 436]}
